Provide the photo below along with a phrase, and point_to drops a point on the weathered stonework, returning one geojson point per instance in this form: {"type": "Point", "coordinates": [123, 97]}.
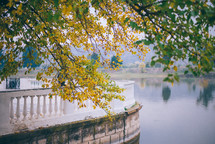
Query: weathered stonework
{"type": "Point", "coordinates": [123, 128]}
{"type": "Point", "coordinates": [100, 131]}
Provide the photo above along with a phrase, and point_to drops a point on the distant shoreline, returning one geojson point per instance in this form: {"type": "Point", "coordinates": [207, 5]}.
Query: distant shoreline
{"type": "Point", "coordinates": [122, 74]}
{"type": "Point", "coordinates": [135, 75]}
{"type": "Point", "coordinates": [154, 75]}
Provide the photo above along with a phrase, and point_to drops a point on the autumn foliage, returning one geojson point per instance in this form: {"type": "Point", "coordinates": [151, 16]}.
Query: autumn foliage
{"type": "Point", "coordinates": [178, 30]}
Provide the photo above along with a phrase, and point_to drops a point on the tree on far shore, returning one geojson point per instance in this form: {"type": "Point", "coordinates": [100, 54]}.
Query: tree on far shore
{"type": "Point", "coordinates": [30, 58]}
{"type": "Point", "coordinates": [2, 61]}
{"type": "Point", "coordinates": [95, 57]}
{"type": "Point", "coordinates": [115, 62]}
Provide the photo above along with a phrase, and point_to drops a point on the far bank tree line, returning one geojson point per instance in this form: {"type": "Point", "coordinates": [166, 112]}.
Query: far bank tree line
{"type": "Point", "coordinates": [30, 59]}
{"type": "Point", "coordinates": [29, 56]}
{"type": "Point", "coordinates": [114, 61]}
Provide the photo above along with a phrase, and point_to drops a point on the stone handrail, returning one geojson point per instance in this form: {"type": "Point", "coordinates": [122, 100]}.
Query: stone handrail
{"type": "Point", "coordinates": [32, 108]}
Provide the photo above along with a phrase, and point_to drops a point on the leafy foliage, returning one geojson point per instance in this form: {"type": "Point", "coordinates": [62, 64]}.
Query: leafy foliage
{"type": "Point", "coordinates": [58, 28]}
{"type": "Point", "coordinates": [178, 30]}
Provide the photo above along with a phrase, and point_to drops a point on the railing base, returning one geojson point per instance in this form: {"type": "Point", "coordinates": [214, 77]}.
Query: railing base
{"type": "Point", "coordinates": [123, 128]}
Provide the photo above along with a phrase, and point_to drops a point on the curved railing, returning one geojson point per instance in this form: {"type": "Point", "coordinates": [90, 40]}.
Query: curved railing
{"type": "Point", "coordinates": [32, 108]}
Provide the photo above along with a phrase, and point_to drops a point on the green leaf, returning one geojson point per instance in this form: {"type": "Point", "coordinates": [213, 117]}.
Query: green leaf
{"type": "Point", "coordinates": [126, 20]}
{"type": "Point", "coordinates": [56, 3]}
{"type": "Point", "coordinates": [182, 5]}
{"type": "Point", "coordinates": [86, 10]}
{"type": "Point", "coordinates": [133, 25]}
{"type": "Point", "coordinates": [185, 72]}
{"type": "Point", "coordinates": [166, 79]}
{"type": "Point", "coordinates": [56, 16]}
{"type": "Point", "coordinates": [50, 16]}
{"type": "Point", "coordinates": [153, 57]}
{"type": "Point", "coordinates": [138, 42]}
{"type": "Point", "coordinates": [176, 77]}
{"type": "Point", "coordinates": [79, 16]}
{"type": "Point", "coordinates": [165, 69]}
{"type": "Point", "coordinates": [172, 16]}
{"type": "Point", "coordinates": [123, 9]}
{"type": "Point", "coordinates": [161, 45]}
{"type": "Point", "coordinates": [158, 37]}
{"type": "Point", "coordinates": [169, 75]}
{"type": "Point", "coordinates": [194, 13]}
{"type": "Point", "coordinates": [146, 42]}
{"type": "Point", "coordinates": [152, 63]}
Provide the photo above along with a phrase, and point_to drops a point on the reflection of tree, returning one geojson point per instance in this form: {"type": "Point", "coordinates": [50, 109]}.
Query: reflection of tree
{"type": "Point", "coordinates": [203, 83]}
{"type": "Point", "coordinates": [206, 95]}
{"type": "Point", "coordinates": [149, 82]}
{"type": "Point", "coordinates": [142, 82]}
{"type": "Point", "coordinates": [194, 87]}
{"type": "Point", "coordinates": [189, 82]}
{"type": "Point", "coordinates": [155, 82]}
{"type": "Point", "coordinates": [166, 92]}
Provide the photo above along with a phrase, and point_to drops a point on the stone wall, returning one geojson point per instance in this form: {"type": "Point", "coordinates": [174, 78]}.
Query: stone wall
{"type": "Point", "coordinates": [123, 128]}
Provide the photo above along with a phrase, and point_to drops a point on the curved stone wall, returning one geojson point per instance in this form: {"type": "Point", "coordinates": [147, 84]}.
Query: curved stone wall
{"type": "Point", "coordinates": [124, 128]}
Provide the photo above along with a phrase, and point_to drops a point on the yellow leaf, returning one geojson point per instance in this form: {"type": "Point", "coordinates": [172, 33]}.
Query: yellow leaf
{"type": "Point", "coordinates": [175, 68]}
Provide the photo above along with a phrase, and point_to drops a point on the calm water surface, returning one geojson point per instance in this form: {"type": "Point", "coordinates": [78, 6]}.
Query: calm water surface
{"type": "Point", "coordinates": [180, 114]}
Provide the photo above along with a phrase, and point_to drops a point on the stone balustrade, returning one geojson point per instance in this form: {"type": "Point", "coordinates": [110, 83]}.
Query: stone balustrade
{"type": "Point", "coordinates": [33, 108]}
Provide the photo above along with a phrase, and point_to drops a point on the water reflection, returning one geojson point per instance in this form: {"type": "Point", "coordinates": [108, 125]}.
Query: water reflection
{"type": "Point", "coordinates": [194, 87]}
{"type": "Point", "coordinates": [201, 89]}
{"type": "Point", "coordinates": [166, 92]}
{"type": "Point", "coordinates": [190, 83]}
{"type": "Point", "coordinates": [206, 95]}
{"type": "Point", "coordinates": [176, 114]}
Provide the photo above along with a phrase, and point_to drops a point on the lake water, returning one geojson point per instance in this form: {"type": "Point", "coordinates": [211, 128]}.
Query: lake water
{"type": "Point", "coordinates": [180, 114]}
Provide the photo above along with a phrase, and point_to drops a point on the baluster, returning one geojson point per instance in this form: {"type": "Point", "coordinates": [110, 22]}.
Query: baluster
{"type": "Point", "coordinates": [91, 105]}
{"type": "Point", "coordinates": [76, 105]}
{"type": "Point", "coordinates": [61, 106]}
{"type": "Point", "coordinates": [44, 105]}
{"type": "Point", "coordinates": [11, 109]}
{"type": "Point", "coordinates": [64, 107]}
{"type": "Point", "coordinates": [25, 107]}
{"type": "Point", "coordinates": [55, 107]}
{"type": "Point", "coordinates": [50, 105]}
{"type": "Point", "coordinates": [88, 105]}
{"type": "Point", "coordinates": [32, 107]}
{"type": "Point", "coordinates": [38, 106]}
{"type": "Point", "coordinates": [18, 108]}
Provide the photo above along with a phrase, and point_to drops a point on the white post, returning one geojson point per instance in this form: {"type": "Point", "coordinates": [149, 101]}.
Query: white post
{"type": "Point", "coordinates": [25, 107]}
{"type": "Point", "coordinates": [18, 108]}
{"type": "Point", "coordinates": [89, 105]}
{"type": "Point", "coordinates": [61, 106]}
{"type": "Point", "coordinates": [70, 107]}
{"type": "Point", "coordinates": [11, 109]}
{"type": "Point", "coordinates": [38, 106]}
{"type": "Point", "coordinates": [32, 107]}
{"type": "Point", "coordinates": [55, 107]}
{"type": "Point", "coordinates": [50, 106]}
{"type": "Point", "coordinates": [64, 107]}
{"type": "Point", "coordinates": [44, 105]}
